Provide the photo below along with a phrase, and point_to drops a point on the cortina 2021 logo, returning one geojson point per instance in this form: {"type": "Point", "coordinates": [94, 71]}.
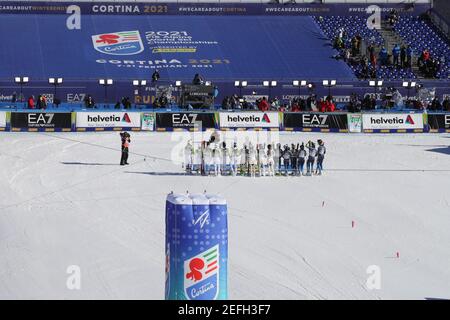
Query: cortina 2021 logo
{"type": "Point", "coordinates": [121, 43]}
{"type": "Point", "coordinates": [201, 275]}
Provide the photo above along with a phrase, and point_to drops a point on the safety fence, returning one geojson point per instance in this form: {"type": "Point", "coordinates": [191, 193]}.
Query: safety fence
{"type": "Point", "coordinates": [201, 121]}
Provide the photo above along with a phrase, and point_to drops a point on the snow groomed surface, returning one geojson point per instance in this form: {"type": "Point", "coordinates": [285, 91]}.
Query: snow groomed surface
{"type": "Point", "coordinates": [65, 201]}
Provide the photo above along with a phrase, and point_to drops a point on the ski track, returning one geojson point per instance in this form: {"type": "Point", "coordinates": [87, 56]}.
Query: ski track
{"type": "Point", "coordinates": [57, 209]}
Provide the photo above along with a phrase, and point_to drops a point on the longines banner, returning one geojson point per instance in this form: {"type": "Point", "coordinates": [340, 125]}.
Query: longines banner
{"type": "Point", "coordinates": [385, 121]}
{"type": "Point", "coordinates": [249, 119]}
{"type": "Point", "coordinates": [41, 120]}
{"type": "Point", "coordinates": [108, 120]}
{"type": "Point", "coordinates": [185, 120]}
{"type": "Point", "coordinates": [316, 120]}
{"type": "Point", "coordinates": [440, 122]}
{"type": "Point", "coordinates": [111, 8]}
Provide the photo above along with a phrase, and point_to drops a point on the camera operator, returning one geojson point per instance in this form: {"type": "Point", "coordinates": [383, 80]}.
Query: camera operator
{"type": "Point", "coordinates": [125, 136]}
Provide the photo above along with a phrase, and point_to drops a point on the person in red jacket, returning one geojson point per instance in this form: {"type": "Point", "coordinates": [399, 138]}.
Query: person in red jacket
{"type": "Point", "coordinates": [263, 105]}
{"type": "Point", "coordinates": [295, 107]}
{"type": "Point", "coordinates": [330, 106]}
{"type": "Point", "coordinates": [31, 102]}
{"type": "Point", "coordinates": [322, 106]}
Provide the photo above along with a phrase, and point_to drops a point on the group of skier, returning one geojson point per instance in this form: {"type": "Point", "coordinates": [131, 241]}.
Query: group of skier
{"type": "Point", "coordinates": [216, 158]}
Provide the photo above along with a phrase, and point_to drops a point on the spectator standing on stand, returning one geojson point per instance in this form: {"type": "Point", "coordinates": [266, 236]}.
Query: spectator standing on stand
{"type": "Point", "coordinates": [31, 102]}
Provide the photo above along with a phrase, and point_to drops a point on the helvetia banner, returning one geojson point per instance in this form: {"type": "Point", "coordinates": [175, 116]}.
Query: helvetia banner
{"type": "Point", "coordinates": [185, 120]}
{"type": "Point", "coordinates": [108, 120]}
{"type": "Point", "coordinates": [249, 120]}
{"type": "Point", "coordinates": [316, 120]}
{"type": "Point", "coordinates": [392, 121]}
{"type": "Point", "coordinates": [439, 122]}
{"type": "Point", "coordinates": [41, 120]}
{"type": "Point", "coordinates": [148, 121]}
{"type": "Point", "coordinates": [2, 119]}
{"type": "Point", "coordinates": [196, 247]}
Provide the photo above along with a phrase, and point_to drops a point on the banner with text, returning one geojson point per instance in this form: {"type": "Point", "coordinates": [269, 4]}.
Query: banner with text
{"type": "Point", "coordinates": [249, 120]}
{"type": "Point", "coordinates": [396, 121]}
{"type": "Point", "coordinates": [185, 120]}
{"type": "Point", "coordinates": [439, 122]}
{"type": "Point", "coordinates": [316, 121]}
{"type": "Point", "coordinates": [108, 120]}
{"type": "Point", "coordinates": [41, 120]}
{"type": "Point", "coordinates": [185, 8]}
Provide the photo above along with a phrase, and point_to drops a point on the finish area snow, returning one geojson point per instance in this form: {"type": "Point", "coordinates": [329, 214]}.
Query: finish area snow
{"type": "Point", "coordinates": [65, 201]}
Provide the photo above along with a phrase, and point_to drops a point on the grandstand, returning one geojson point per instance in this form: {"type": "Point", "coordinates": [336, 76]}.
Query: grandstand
{"type": "Point", "coordinates": [224, 41]}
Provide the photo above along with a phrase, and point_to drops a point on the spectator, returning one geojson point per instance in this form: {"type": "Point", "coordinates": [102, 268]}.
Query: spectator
{"type": "Point", "coordinates": [226, 104]}
{"type": "Point", "coordinates": [409, 53]}
{"type": "Point", "coordinates": [322, 105]}
{"type": "Point", "coordinates": [396, 54]}
{"type": "Point", "coordinates": [295, 107]}
{"type": "Point", "coordinates": [329, 105]}
{"type": "Point", "coordinates": [275, 104]}
{"type": "Point", "coordinates": [403, 56]}
{"type": "Point", "coordinates": [89, 102]}
{"type": "Point", "coordinates": [446, 104]}
{"type": "Point", "coordinates": [263, 105]}
{"type": "Point", "coordinates": [126, 102]}
{"type": "Point", "coordinates": [42, 102]}
{"type": "Point", "coordinates": [369, 102]}
{"type": "Point", "coordinates": [372, 57]}
{"type": "Point", "coordinates": [355, 46]}
{"type": "Point", "coordinates": [311, 103]}
{"type": "Point", "coordinates": [383, 57]}
{"type": "Point", "coordinates": [435, 105]}
{"type": "Point", "coordinates": [155, 76]}
{"type": "Point", "coordinates": [354, 104]}
{"type": "Point", "coordinates": [198, 79]}
{"type": "Point", "coordinates": [31, 102]}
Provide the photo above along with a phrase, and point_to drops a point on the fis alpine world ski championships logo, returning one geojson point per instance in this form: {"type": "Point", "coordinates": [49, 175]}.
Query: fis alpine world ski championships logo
{"type": "Point", "coordinates": [121, 43]}
{"type": "Point", "coordinates": [201, 280]}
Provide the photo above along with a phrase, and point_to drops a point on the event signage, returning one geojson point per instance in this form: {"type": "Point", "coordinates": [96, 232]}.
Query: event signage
{"type": "Point", "coordinates": [382, 121]}
{"type": "Point", "coordinates": [41, 120]}
{"type": "Point", "coordinates": [249, 120]}
{"type": "Point", "coordinates": [108, 120]}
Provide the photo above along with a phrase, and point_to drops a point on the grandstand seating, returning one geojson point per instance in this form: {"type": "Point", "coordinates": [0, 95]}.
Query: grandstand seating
{"type": "Point", "coordinates": [355, 25]}
{"type": "Point", "coordinates": [420, 36]}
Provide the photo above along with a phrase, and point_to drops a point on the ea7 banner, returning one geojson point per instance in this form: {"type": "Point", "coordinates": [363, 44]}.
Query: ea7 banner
{"type": "Point", "coordinates": [249, 120]}
{"type": "Point", "coordinates": [316, 121]}
{"type": "Point", "coordinates": [41, 120]}
{"type": "Point", "coordinates": [185, 120]}
{"type": "Point", "coordinates": [439, 122]}
{"type": "Point", "coordinates": [396, 121]}
{"type": "Point", "coordinates": [108, 120]}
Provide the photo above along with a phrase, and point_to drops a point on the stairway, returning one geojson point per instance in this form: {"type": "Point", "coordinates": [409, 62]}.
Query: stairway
{"type": "Point", "coordinates": [391, 38]}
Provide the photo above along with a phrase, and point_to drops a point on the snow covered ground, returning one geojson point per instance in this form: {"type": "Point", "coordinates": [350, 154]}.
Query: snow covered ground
{"type": "Point", "coordinates": [65, 201]}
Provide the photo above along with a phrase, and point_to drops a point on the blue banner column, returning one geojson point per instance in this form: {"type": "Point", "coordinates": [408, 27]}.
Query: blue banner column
{"type": "Point", "coordinates": [196, 247]}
